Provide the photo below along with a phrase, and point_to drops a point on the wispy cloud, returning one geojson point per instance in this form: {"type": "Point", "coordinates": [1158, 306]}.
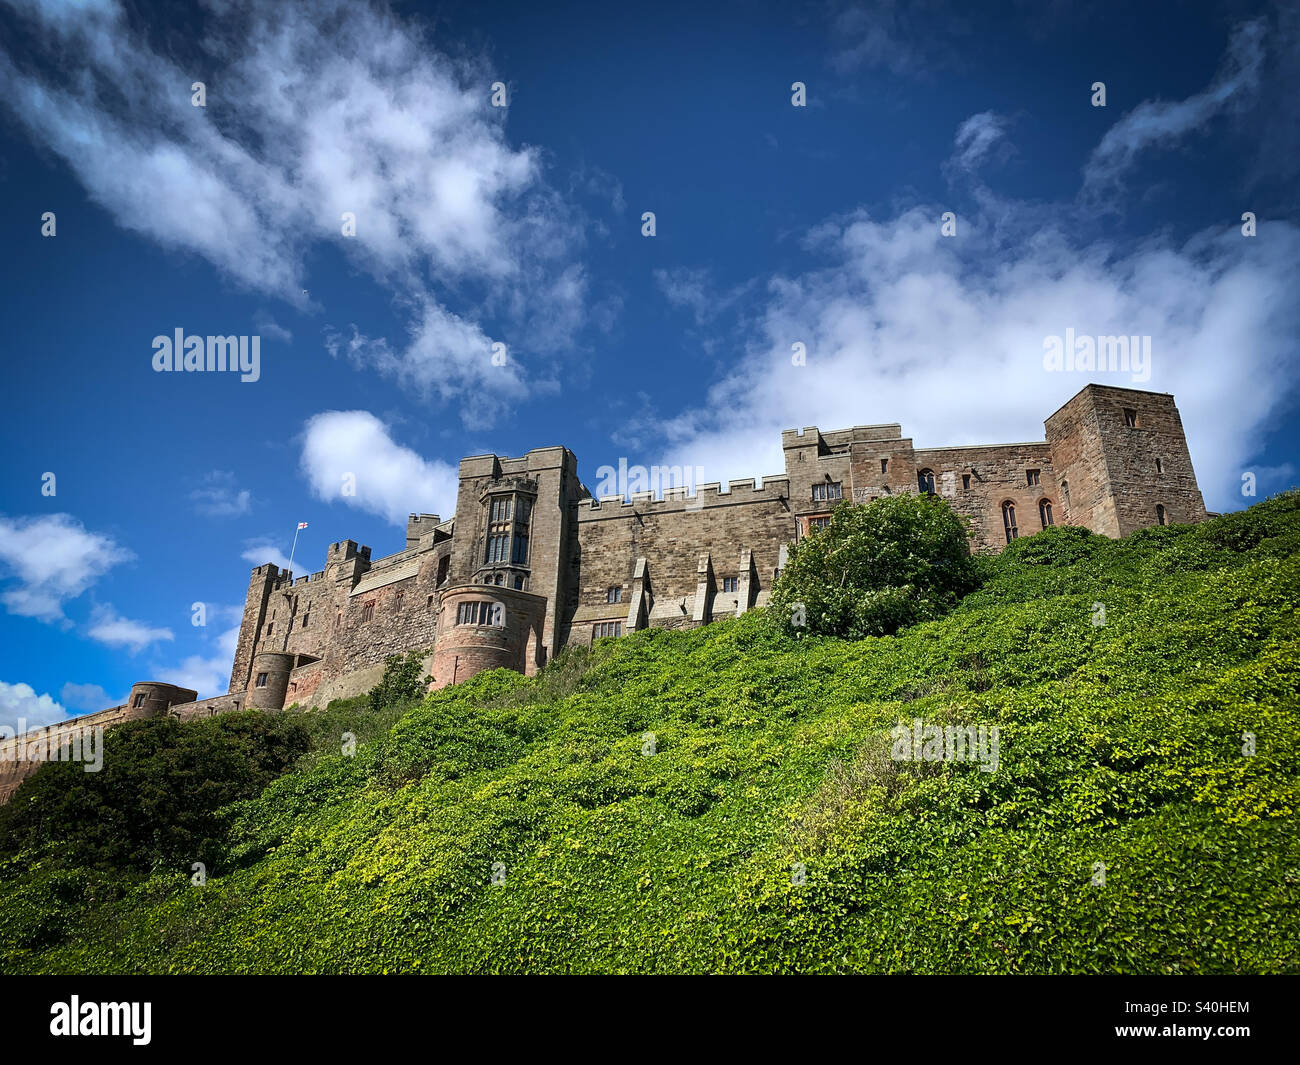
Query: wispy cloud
{"type": "Point", "coordinates": [54, 559]}
{"type": "Point", "coordinates": [350, 457]}
{"type": "Point", "coordinates": [1161, 123]}
{"type": "Point", "coordinates": [219, 496]}
{"type": "Point", "coordinates": [311, 114]}
{"type": "Point", "coordinates": [109, 628]}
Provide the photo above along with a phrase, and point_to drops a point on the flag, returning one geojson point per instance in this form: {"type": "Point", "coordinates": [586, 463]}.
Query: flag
{"type": "Point", "coordinates": [302, 525]}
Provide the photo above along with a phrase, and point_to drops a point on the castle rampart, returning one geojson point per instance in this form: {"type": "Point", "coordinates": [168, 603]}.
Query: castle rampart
{"type": "Point", "coordinates": [532, 562]}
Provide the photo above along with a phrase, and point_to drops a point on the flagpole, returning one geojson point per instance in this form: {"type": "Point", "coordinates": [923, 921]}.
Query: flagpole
{"type": "Point", "coordinates": [296, 531]}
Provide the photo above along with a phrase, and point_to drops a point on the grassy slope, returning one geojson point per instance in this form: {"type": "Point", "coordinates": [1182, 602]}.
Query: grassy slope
{"type": "Point", "coordinates": [1120, 743]}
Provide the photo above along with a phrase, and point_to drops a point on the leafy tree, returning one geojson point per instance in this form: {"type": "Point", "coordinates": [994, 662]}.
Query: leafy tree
{"type": "Point", "coordinates": [875, 569]}
{"type": "Point", "coordinates": [159, 796]}
{"type": "Point", "coordinates": [401, 681]}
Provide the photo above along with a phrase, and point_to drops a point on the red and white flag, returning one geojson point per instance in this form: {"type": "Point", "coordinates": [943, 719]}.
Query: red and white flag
{"type": "Point", "coordinates": [302, 525]}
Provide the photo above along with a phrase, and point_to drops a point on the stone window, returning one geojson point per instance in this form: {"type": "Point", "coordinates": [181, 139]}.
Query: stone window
{"type": "Point", "coordinates": [428, 602]}
{"type": "Point", "coordinates": [730, 584]}
{"type": "Point", "coordinates": [508, 518]}
{"type": "Point", "coordinates": [1160, 513]}
{"type": "Point", "coordinates": [270, 627]}
{"type": "Point", "coordinates": [818, 523]}
{"type": "Point", "coordinates": [1160, 465]}
{"type": "Point", "coordinates": [613, 594]}
{"type": "Point", "coordinates": [444, 564]}
{"type": "Point", "coordinates": [1009, 520]}
{"type": "Point", "coordinates": [397, 601]}
{"type": "Point", "coordinates": [261, 680]}
{"type": "Point", "coordinates": [519, 581]}
{"type": "Point", "coordinates": [824, 493]}
{"type": "Point", "coordinates": [338, 620]}
{"type": "Point", "coordinates": [606, 628]}
{"type": "Point", "coordinates": [1045, 513]}
{"type": "Point", "coordinates": [1031, 477]}
{"type": "Point", "coordinates": [884, 465]}
{"type": "Point", "coordinates": [138, 701]}
{"type": "Point", "coordinates": [1065, 491]}
{"type": "Point", "coordinates": [306, 619]}
{"type": "Point", "coordinates": [368, 611]}
{"type": "Point", "coordinates": [965, 482]}
{"type": "Point", "coordinates": [480, 613]}
{"type": "Point", "coordinates": [925, 481]}
{"type": "Point", "coordinates": [1130, 417]}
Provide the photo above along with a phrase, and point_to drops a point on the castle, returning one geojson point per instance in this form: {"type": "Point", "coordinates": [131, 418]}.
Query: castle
{"type": "Point", "coordinates": [532, 562]}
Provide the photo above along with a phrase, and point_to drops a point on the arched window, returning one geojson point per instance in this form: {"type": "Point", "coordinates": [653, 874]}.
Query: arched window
{"type": "Point", "coordinates": [1160, 513]}
{"type": "Point", "coordinates": [1065, 492]}
{"type": "Point", "coordinates": [925, 481]}
{"type": "Point", "coordinates": [1009, 520]}
{"type": "Point", "coordinates": [1045, 513]}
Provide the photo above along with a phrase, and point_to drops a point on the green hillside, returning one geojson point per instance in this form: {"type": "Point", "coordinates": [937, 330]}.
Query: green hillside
{"type": "Point", "coordinates": [1123, 678]}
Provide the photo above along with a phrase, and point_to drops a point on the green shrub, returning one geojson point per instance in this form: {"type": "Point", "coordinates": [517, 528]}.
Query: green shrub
{"type": "Point", "coordinates": [875, 569]}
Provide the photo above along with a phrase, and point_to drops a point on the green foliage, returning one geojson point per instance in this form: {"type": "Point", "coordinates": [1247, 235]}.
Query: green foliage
{"type": "Point", "coordinates": [159, 797]}
{"type": "Point", "coordinates": [401, 682]}
{"type": "Point", "coordinates": [651, 802]}
{"type": "Point", "coordinates": [875, 569]}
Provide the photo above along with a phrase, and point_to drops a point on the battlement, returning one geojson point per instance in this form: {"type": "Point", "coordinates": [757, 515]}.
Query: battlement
{"type": "Point", "coordinates": [675, 500]}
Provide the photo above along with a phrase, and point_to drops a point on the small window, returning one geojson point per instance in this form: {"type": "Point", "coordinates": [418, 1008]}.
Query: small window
{"type": "Point", "coordinates": [823, 493]}
{"type": "Point", "coordinates": [613, 594]}
{"type": "Point", "coordinates": [338, 620]}
{"type": "Point", "coordinates": [818, 523]}
{"type": "Point", "coordinates": [925, 481]}
{"type": "Point", "coordinates": [1130, 417]}
{"type": "Point", "coordinates": [1065, 491]}
{"type": "Point", "coordinates": [428, 602]}
{"type": "Point", "coordinates": [443, 564]}
{"type": "Point", "coordinates": [730, 584]}
{"type": "Point", "coordinates": [397, 600]}
{"type": "Point", "coordinates": [368, 611]}
{"type": "Point", "coordinates": [1160, 465]}
{"type": "Point", "coordinates": [965, 482]}
{"type": "Point", "coordinates": [606, 628]}
{"type": "Point", "coordinates": [519, 581]}
{"type": "Point", "coordinates": [501, 579]}
{"type": "Point", "coordinates": [480, 613]}
{"type": "Point", "coordinates": [306, 619]}
{"type": "Point", "coordinates": [1160, 513]}
{"type": "Point", "coordinates": [1031, 477]}
{"type": "Point", "coordinates": [884, 465]}
{"type": "Point", "coordinates": [261, 680]}
{"type": "Point", "coordinates": [1009, 521]}
{"type": "Point", "coordinates": [1045, 513]}
{"type": "Point", "coordinates": [138, 701]}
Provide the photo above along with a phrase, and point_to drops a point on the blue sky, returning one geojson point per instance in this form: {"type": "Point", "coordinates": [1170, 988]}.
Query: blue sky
{"type": "Point", "coordinates": [522, 225]}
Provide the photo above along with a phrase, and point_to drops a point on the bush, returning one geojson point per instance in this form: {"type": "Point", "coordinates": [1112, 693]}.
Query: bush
{"type": "Point", "coordinates": [159, 796]}
{"type": "Point", "coordinates": [876, 569]}
{"type": "Point", "coordinates": [401, 682]}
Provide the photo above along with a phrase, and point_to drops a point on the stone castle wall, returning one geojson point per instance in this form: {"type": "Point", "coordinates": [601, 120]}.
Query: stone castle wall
{"type": "Point", "coordinates": [1113, 459]}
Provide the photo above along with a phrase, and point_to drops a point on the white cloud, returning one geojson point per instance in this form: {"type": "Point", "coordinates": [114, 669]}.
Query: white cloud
{"type": "Point", "coordinates": [312, 113]}
{"type": "Point", "coordinates": [219, 496]}
{"type": "Point", "coordinates": [1160, 123]}
{"type": "Point", "coordinates": [901, 326]}
{"type": "Point", "coordinates": [352, 451]}
{"type": "Point", "coordinates": [263, 550]}
{"type": "Point", "coordinates": [108, 628]}
{"type": "Point", "coordinates": [208, 675]}
{"type": "Point", "coordinates": [54, 559]}
{"type": "Point", "coordinates": [447, 356]}
{"type": "Point", "coordinates": [977, 138]}
{"type": "Point", "coordinates": [21, 708]}
{"type": "Point", "coordinates": [87, 698]}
